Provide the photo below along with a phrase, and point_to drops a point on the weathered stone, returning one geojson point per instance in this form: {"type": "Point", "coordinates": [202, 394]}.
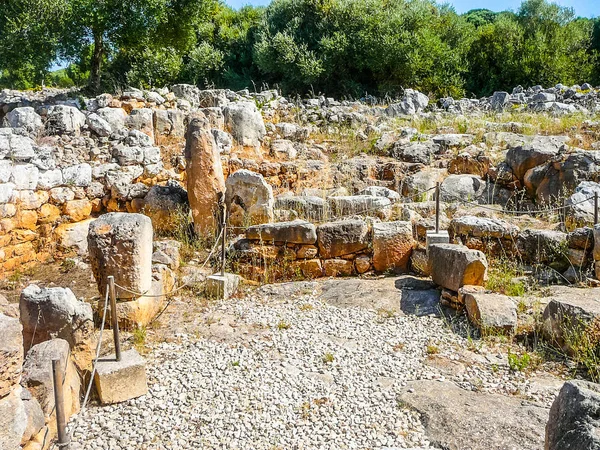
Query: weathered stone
{"type": "Point", "coordinates": [483, 227]}
{"type": "Point", "coordinates": [13, 420]}
{"type": "Point", "coordinates": [166, 206]}
{"type": "Point", "coordinates": [574, 421]}
{"type": "Point", "coordinates": [524, 157]}
{"type": "Point", "coordinates": [542, 246]}
{"type": "Point", "coordinates": [141, 119]}
{"type": "Point", "coordinates": [453, 266]}
{"type": "Point", "coordinates": [568, 313]}
{"type": "Point", "coordinates": [221, 287]}
{"type": "Point", "coordinates": [64, 119]}
{"type": "Point", "coordinates": [307, 207]}
{"type": "Point", "coordinates": [393, 244]}
{"type": "Point", "coordinates": [463, 187]}
{"type": "Point", "coordinates": [25, 176]}
{"type": "Point", "coordinates": [337, 267]}
{"type": "Point", "coordinates": [310, 268]}
{"type": "Point", "coordinates": [249, 198]}
{"type": "Point", "coordinates": [120, 244]}
{"type": "Point", "coordinates": [35, 416]}
{"type": "Point", "coordinates": [342, 238]}
{"type": "Point", "coordinates": [55, 312]}
{"type": "Point", "coordinates": [294, 232]}
{"type": "Point", "coordinates": [362, 264]}
{"type": "Point", "coordinates": [360, 205]}
{"type": "Point", "coordinates": [74, 236]}
{"type": "Point", "coordinates": [78, 175]}
{"type": "Point", "coordinates": [491, 313]}
{"type": "Point", "coordinates": [11, 353]}
{"type": "Point", "coordinates": [457, 419]}
{"type": "Point", "coordinates": [114, 116]}
{"type": "Point", "coordinates": [414, 152]}
{"type": "Point", "coordinates": [78, 210]}
{"type": "Point", "coordinates": [245, 123]}
{"type": "Point", "coordinates": [205, 181]}
{"type": "Point", "coordinates": [283, 150]}
{"type": "Point", "coordinates": [99, 125]}
{"type": "Point", "coordinates": [380, 191]}
{"type": "Point", "coordinates": [118, 381]}
{"type": "Point", "coordinates": [37, 376]}
{"type": "Point", "coordinates": [25, 118]}
{"type": "Point", "coordinates": [413, 102]}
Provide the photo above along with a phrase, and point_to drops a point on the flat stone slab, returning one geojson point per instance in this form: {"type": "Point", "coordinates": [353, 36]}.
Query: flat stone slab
{"type": "Point", "coordinates": [118, 381]}
{"type": "Point", "coordinates": [221, 287]}
{"type": "Point", "coordinates": [294, 232]}
{"type": "Point", "coordinates": [457, 419]}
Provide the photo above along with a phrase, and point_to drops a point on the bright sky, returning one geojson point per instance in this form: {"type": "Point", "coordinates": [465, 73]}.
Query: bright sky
{"type": "Point", "coordinates": [586, 8]}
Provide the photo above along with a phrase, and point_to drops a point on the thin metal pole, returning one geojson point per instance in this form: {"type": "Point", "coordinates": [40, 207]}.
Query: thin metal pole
{"type": "Point", "coordinates": [59, 403]}
{"type": "Point", "coordinates": [224, 232]}
{"type": "Point", "coordinates": [114, 316]}
{"type": "Point", "coordinates": [437, 207]}
{"type": "Point", "coordinates": [595, 208]}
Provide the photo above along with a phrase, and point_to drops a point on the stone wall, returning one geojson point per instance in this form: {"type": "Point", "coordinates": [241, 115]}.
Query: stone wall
{"type": "Point", "coordinates": [299, 249]}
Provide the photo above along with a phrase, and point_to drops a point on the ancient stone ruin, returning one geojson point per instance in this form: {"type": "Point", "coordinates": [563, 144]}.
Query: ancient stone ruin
{"type": "Point", "coordinates": [395, 266]}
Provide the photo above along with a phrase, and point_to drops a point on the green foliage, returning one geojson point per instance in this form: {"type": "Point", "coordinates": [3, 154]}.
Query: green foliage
{"type": "Point", "coordinates": [503, 278]}
{"type": "Point", "coordinates": [338, 47]}
{"type": "Point", "coordinates": [518, 363]}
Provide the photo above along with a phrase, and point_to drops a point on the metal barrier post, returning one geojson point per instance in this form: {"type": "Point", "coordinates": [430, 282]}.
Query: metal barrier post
{"type": "Point", "coordinates": [114, 316]}
{"type": "Point", "coordinates": [595, 207]}
{"type": "Point", "coordinates": [437, 207]}
{"type": "Point", "coordinates": [224, 237]}
{"type": "Point", "coordinates": [59, 403]}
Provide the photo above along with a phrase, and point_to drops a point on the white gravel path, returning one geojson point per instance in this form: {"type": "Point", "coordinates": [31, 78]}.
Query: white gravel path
{"type": "Point", "coordinates": [275, 390]}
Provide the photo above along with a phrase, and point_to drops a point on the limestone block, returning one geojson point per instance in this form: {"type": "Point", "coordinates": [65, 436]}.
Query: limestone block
{"type": "Point", "coordinates": [118, 381]}
{"type": "Point", "coordinates": [393, 244]}
{"type": "Point", "coordinates": [120, 244]}
{"type": "Point", "coordinates": [453, 266]}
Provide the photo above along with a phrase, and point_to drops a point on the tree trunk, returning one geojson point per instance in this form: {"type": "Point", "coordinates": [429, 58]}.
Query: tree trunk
{"type": "Point", "coordinates": [97, 57]}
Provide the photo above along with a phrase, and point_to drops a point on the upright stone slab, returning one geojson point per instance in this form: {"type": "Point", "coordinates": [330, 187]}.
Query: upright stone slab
{"type": "Point", "coordinates": [393, 244]}
{"type": "Point", "coordinates": [453, 266]}
{"type": "Point", "coordinates": [120, 244]}
{"type": "Point", "coordinates": [221, 286]}
{"type": "Point", "coordinates": [431, 238]}
{"type": "Point", "coordinates": [205, 181]}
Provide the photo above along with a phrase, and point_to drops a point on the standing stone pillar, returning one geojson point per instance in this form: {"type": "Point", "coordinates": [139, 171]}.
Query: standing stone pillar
{"type": "Point", "coordinates": [205, 180]}
{"type": "Point", "coordinates": [120, 244]}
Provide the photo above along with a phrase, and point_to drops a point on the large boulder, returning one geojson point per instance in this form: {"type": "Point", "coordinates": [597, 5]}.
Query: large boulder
{"type": "Point", "coordinates": [11, 353]}
{"type": "Point", "coordinates": [167, 206]}
{"type": "Point", "coordinates": [63, 119]}
{"type": "Point", "coordinates": [413, 102]}
{"type": "Point", "coordinates": [14, 146]}
{"type": "Point", "coordinates": [249, 198]}
{"type": "Point", "coordinates": [568, 314]}
{"type": "Point", "coordinates": [342, 238]}
{"type": "Point", "coordinates": [541, 150]}
{"type": "Point", "coordinates": [294, 232]}
{"type": "Point", "coordinates": [205, 181]}
{"type": "Point", "coordinates": [463, 187]}
{"type": "Point", "coordinates": [25, 118]}
{"type": "Point", "coordinates": [393, 244]}
{"type": "Point", "coordinates": [414, 152]}
{"type": "Point", "coordinates": [574, 422]}
{"type": "Point", "coordinates": [581, 203]}
{"type": "Point", "coordinates": [453, 266]}
{"type": "Point", "coordinates": [120, 244]}
{"type": "Point", "coordinates": [115, 117]}
{"type": "Point", "coordinates": [99, 125]}
{"type": "Point", "coordinates": [245, 123]}
{"type": "Point", "coordinates": [52, 312]}
{"type": "Point", "coordinates": [542, 246]}
{"type": "Point", "coordinates": [37, 376]}
{"type": "Point", "coordinates": [491, 313]}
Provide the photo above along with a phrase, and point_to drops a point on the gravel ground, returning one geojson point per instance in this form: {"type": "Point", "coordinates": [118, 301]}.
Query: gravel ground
{"type": "Point", "coordinates": [306, 375]}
